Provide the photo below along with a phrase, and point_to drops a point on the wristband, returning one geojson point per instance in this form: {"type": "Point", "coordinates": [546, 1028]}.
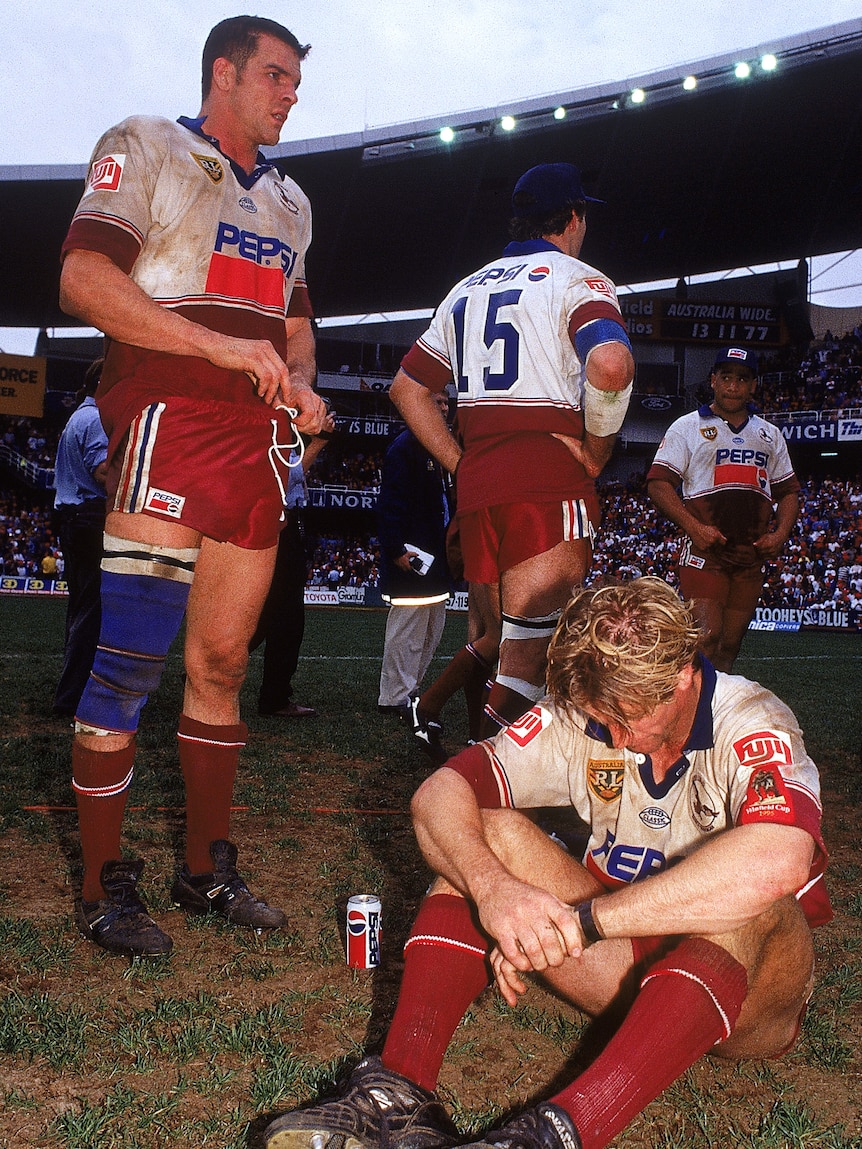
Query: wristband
{"type": "Point", "coordinates": [589, 925]}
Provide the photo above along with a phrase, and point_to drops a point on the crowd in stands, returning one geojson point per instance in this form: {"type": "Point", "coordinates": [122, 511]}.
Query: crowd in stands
{"type": "Point", "coordinates": [28, 545]}
{"type": "Point", "coordinates": [821, 567]}
{"type": "Point", "coordinates": [827, 377]}
{"type": "Point", "coordinates": [35, 439]}
{"type": "Point", "coordinates": [357, 471]}
{"type": "Point", "coordinates": [338, 561]}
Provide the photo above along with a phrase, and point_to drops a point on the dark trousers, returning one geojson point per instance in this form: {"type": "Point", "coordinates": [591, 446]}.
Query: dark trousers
{"type": "Point", "coordinates": [282, 620]}
{"type": "Point", "coordinates": [80, 531]}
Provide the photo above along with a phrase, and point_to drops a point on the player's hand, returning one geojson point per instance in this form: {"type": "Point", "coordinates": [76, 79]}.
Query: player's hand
{"type": "Point", "coordinates": [592, 452]}
{"type": "Point", "coordinates": [258, 359]}
{"type": "Point", "coordinates": [706, 537]}
{"type": "Point", "coordinates": [310, 408]}
{"type": "Point", "coordinates": [532, 928]}
{"type": "Point", "coordinates": [769, 545]}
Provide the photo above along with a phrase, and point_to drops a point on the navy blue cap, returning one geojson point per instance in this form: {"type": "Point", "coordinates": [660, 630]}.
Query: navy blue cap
{"type": "Point", "coordinates": [736, 355]}
{"type": "Point", "coordinates": [547, 188]}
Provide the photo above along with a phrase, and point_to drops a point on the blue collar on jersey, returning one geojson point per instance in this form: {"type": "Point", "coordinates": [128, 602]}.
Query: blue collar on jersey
{"type": "Point", "coordinates": [706, 412]}
{"type": "Point", "coordinates": [702, 736]}
{"type": "Point", "coordinates": [530, 247]}
{"type": "Point", "coordinates": [243, 177]}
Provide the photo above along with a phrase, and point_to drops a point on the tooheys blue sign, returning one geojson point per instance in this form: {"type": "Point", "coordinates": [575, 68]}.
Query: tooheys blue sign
{"type": "Point", "coordinates": [804, 618]}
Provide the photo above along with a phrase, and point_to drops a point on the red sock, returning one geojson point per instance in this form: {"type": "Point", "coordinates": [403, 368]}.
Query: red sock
{"type": "Point", "coordinates": [209, 756]}
{"type": "Point", "coordinates": [101, 782]}
{"type": "Point", "coordinates": [504, 706]}
{"type": "Point", "coordinates": [689, 1001]}
{"type": "Point", "coordinates": [445, 970]}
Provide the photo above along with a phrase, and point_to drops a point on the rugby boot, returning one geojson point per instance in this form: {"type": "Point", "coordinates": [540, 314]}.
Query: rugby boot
{"type": "Point", "coordinates": [546, 1126]}
{"type": "Point", "coordinates": [119, 922]}
{"type": "Point", "coordinates": [427, 734]}
{"type": "Point", "coordinates": [224, 892]}
{"type": "Point", "coordinates": [375, 1108]}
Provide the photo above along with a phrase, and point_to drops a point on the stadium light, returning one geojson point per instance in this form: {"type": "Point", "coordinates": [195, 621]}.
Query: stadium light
{"type": "Point", "coordinates": [689, 83]}
{"type": "Point", "coordinates": [638, 96]}
{"type": "Point", "coordinates": [447, 135]}
{"type": "Point", "coordinates": [742, 70]}
{"type": "Point", "coordinates": [769, 62]}
{"type": "Point", "coordinates": [508, 123]}
{"type": "Point", "coordinates": [559, 113]}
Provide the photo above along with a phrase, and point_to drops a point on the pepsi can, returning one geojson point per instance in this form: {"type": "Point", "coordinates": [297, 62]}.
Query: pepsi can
{"type": "Point", "coordinates": [363, 931]}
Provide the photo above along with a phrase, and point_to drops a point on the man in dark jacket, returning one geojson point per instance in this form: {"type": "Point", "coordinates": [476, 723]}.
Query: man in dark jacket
{"type": "Point", "coordinates": [413, 513]}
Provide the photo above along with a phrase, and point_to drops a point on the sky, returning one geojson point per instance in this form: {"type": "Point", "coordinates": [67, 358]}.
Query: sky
{"type": "Point", "coordinates": [72, 70]}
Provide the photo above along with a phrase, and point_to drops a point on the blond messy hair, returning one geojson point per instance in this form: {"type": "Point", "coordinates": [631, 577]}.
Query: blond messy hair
{"type": "Point", "coordinates": [618, 649]}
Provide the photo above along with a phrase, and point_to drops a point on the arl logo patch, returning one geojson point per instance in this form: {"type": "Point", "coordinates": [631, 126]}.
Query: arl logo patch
{"type": "Point", "coordinates": [107, 172]}
{"type": "Point", "coordinates": [165, 503]}
{"type": "Point", "coordinates": [210, 165]}
{"type": "Point", "coordinates": [605, 779]}
{"type": "Point", "coordinates": [709, 433]}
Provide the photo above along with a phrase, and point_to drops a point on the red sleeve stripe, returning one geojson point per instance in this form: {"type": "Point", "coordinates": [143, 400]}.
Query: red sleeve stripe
{"type": "Point", "coordinates": [595, 309]}
{"type": "Point", "coordinates": [115, 238]}
{"type": "Point", "coordinates": [476, 765]}
{"type": "Point", "coordinates": [426, 367]}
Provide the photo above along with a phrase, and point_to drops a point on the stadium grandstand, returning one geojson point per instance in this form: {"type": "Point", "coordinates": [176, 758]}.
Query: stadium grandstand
{"type": "Point", "coordinates": [723, 181]}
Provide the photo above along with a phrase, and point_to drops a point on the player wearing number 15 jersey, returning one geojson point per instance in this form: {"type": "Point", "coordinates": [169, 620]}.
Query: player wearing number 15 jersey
{"type": "Point", "coordinates": [539, 354]}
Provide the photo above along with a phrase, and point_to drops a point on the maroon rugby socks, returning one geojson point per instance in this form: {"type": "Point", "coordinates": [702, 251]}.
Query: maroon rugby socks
{"type": "Point", "coordinates": [445, 970]}
{"type": "Point", "coordinates": [209, 756]}
{"type": "Point", "coordinates": [688, 1001]}
{"type": "Point", "coordinates": [101, 783]}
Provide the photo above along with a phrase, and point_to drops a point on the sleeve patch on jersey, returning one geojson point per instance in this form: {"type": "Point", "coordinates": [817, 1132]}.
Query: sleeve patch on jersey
{"type": "Point", "coordinates": [106, 173]}
{"type": "Point", "coordinates": [767, 798]}
{"type": "Point", "coordinates": [528, 726]}
{"type": "Point", "coordinates": [765, 748]}
{"type": "Point", "coordinates": [602, 287]}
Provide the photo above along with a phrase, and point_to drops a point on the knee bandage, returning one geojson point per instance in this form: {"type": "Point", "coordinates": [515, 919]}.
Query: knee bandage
{"type": "Point", "coordinates": [145, 589]}
{"type": "Point", "coordinates": [516, 628]}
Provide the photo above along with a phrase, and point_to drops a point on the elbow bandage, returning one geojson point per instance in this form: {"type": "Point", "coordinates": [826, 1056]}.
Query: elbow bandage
{"type": "Point", "coordinates": [604, 411]}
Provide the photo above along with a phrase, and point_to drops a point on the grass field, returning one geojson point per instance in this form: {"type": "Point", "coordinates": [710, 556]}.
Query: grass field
{"type": "Point", "coordinates": [201, 1048]}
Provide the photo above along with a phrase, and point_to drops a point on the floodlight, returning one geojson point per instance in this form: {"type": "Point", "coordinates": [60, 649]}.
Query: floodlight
{"type": "Point", "coordinates": [742, 70]}
{"type": "Point", "coordinates": [638, 96]}
{"type": "Point", "coordinates": [508, 123]}
{"type": "Point", "coordinates": [447, 135]}
{"type": "Point", "coordinates": [769, 62]}
{"type": "Point", "coordinates": [559, 113]}
{"type": "Point", "coordinates": [689, 83]}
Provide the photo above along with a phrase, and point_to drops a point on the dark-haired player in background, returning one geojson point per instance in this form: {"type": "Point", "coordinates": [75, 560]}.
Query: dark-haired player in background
{"type": "Point", "coordinates": [187, 250]}
{"type": "Point", "coordinates": [732, 466]}
{"type": "Point", "coordinates": [542, 366]}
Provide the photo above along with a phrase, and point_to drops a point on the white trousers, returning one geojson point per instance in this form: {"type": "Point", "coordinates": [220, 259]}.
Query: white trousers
{"type": "Point", "coordinates": [412, 635]}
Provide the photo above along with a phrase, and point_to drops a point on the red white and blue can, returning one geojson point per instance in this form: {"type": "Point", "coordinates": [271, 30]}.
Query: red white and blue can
{"type": "Point", "coordinates": [363, 931]}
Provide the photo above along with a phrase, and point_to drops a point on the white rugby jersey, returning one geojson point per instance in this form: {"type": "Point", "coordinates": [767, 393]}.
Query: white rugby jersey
{"type": "Point", "coordinates": [745, 762]}
{"type": "Point", "coordinates": [730, 478]}
{"type": "Point", "coordinates": [197, 234]}
{"type": "Point", "coordinates": [506, 336]}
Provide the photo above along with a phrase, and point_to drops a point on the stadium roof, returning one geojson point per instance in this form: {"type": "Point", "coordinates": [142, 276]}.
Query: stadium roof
{"type": "Point", "coordinates": [732, 172]}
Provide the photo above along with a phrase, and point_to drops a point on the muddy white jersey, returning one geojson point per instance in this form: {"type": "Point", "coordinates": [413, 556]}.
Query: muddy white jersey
{"type": "Point", "coordinates": [744, 762]}
{"type": "Point", "coordinates": [200, 236]}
